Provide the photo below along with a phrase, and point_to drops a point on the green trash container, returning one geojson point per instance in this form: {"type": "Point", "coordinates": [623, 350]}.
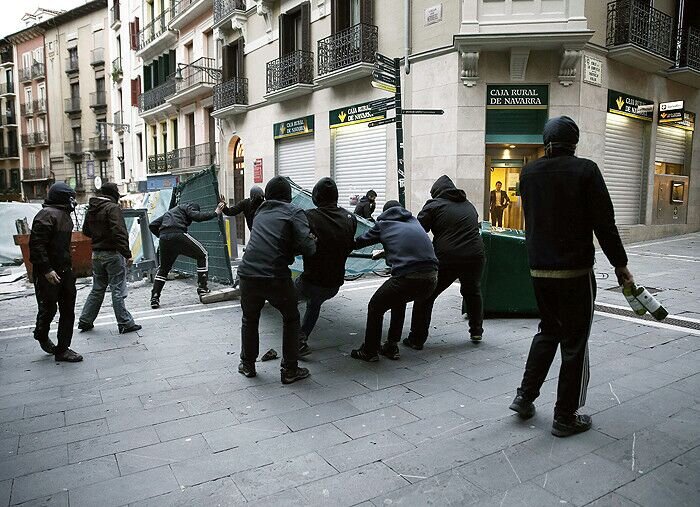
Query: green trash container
{"type": "Point", "coordinates": [506, 286]}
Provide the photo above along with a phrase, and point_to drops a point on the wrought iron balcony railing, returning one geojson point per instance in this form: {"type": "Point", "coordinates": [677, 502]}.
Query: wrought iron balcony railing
{"type": "Point", "coordinates": [99, 143]}
{"type": "Point", "coordinates": [357, 44]}
{"type": "Point", "coordinates": [161, 163]}
{"type": "Point", "coordinates": [72, 105]}
{"type": "Point", "coordinates": [36, 173]}
{"type": "Point", "coordinates": [231, 92]}
{"type": "Point", "coordinates": [224, 8]}
{"type": "Point", "coordinates": [294, 68]}
{"type": "Point", "coordinates": [97, 57]}
{"type": "Point", "coordinates": [9, 119]}
{"type": "Point", "coordinates": [156, 96]}
{"type": "Point", "coordinates": [154, 29]}
{"type": "Point", "coordinates": [6, 56]}
{"type": "Point", "coordinates": [191, 157]}
{"type": "Point", "coordinates": [36, 139]}
{"type": "Point", "coordinates": [631, 22]}
{"type": "Point", "coordinates": [72, 65]}
{"type": "Point", "coordinates": [98, 99]}
{"type": "Point", "coordinates": [73, 147]}
{"type": "Point", "coordinates": [39, 106]}
{"type": "Point", "coordinates": [689, 41]}
{"type": "Point", "coordinates": [117, 66]}
{"type": "Point", "coordinates": [114, 14]}
{"type": "Point", "coordinates": [27, 139]}
{"type": "Point", "coordinates": [201, 71]}
{"type": "Point", "coordinates": [181, 6]}
{"type": "Point", "coordinates": [6, 88]}
{"type": "Point", "coordinates": [25, 74]}
{"type": "Point", "coordinates": [118, 118]}
{"type": "Point", "coordinates": [38, 70]}
{"type": "Point", "coordinates": [26, 109]}
{"type": "Point", "coordinates": [9, 152]}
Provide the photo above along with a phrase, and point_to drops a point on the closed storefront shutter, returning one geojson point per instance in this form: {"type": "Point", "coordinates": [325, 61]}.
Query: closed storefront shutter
{"type": "Point", "coordinates": [296, 159]}
{"type": "Point", "coordinates": [624, 148]}
{"type": "Point", "coordinates": [670, 145]}
{"type": "Point", "coordinates": [359, 163]}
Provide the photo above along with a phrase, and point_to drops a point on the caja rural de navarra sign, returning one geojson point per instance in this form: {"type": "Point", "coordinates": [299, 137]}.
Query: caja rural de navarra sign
{"type": "Point", "coordinates": [517, 96]}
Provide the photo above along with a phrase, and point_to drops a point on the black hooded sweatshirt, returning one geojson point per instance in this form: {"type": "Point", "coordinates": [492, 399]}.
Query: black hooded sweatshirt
{"type": "Point", "coordinates": [49, 242]}
{"type": "Point", "coordinates": [248, 206]}
{"type": "Point", "coordinates": [454, 222]}
{"type": "Point", "coordinates": [334, 228]}
{"type": "Point", "coordinates": [365, 207]}
{"type": "Point", "coordinates": [104, 224]}
{"type": "Point", "coordinates": [176, 220]}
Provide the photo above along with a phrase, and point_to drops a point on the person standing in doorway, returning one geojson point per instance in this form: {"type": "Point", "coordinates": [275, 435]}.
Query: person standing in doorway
{"type": "Point", "coordinates": [54, 281]}
{"type": "Point", "coordinates": [460, 251]}
{"type": "Point", "coordinates": [171, 229]}
{"type": "Point", "coordinates": [365, 207]}
{"type": "Point", "coordinates": [499, 202]}
{"type": "Point", "coordinates": [105, 226]}
{"type": "Point", "coordinates": [248, 206]}
{"type": "Point", "coordinates": [324, 271]}
{"type": "Point", "coordinates": [561, 254]}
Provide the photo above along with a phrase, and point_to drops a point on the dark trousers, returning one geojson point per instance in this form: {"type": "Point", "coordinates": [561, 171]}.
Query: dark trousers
{"type": "Point", "coordinates": [314, 296]}
{"type": "Point", "coordinates": [469, 275]}
{"type": "Point", "coordinates": [282, 296]}
{"type": "Point", "coordinates": [566, 313]}
{"type": "Point", "coordinates": [171, 247]}
{"type": "Point", "coordinates": [497, 216]}
{"type": "Point", "coordinates": [52, 298]}
{"type": "Point", "coordinates": [394, 295]}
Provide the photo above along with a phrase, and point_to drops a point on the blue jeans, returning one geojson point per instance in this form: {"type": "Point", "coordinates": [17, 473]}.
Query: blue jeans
{"type": "Point", "coordinates": [314, 296]}
{"type": "Point", "coordinates": [108, 269]}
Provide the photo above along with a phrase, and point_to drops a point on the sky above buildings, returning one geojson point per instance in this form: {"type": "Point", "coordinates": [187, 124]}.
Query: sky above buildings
{"type": "Point", "coordinates": [11, 11]}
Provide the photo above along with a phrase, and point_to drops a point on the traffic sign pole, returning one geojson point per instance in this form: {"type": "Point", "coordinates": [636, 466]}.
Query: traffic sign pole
{"type": "Point", "coordinates": [399, 135]}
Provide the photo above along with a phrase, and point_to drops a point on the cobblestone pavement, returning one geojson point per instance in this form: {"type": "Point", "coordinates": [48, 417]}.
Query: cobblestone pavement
{"type": "Point", "coordinates": [163, 417]}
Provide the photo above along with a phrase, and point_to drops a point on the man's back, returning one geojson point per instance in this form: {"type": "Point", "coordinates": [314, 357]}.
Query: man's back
{"type": "Point", "coordinates": [335, 229]}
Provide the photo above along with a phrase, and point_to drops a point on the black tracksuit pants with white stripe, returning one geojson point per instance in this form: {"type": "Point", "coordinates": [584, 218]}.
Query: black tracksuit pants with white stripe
{"type": "Point", "coordinates": [173, 245]}
{"type": "Point", "coordinates": [566, 313]}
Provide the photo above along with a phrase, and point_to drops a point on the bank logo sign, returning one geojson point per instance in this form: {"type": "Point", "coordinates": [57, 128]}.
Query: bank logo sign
{"type": "Point", "coordinates": [671, 112]}
{"type": "Point", "coordinates": [296, 127]}
{"type": "Point", "coordinates": [517, 96]}
{"type": "Point", "coordinates": [630, 106]}
{"type": "Point", "coordinates": [352, 115]}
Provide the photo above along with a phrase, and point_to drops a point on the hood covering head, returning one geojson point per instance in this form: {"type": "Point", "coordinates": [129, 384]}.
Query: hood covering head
{"type": "Point", "coordinates": [111, 190]}
{"type": "Point", "coordinates": [560, 136]}
{"type": "Point", "coordinates": [371, 194]}
{"type": "Point", "coordinates": [445, 188]}
{"type": "Point", "coordinates": [278, 189]}
{"type": "Point", "coordinates": [391, 204]}
{"type": "Point", "coordinates": [256, 193]}
{"type": "Point", "coordinates": [61, 194]}
{"type": "Point", "coordinates": [393, 210]}
{"type": "Point", "coordinates": [325, 193]}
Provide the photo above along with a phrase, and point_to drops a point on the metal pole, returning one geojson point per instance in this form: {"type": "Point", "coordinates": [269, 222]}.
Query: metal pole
{"type": "Point", "coordinates": [399, 135]}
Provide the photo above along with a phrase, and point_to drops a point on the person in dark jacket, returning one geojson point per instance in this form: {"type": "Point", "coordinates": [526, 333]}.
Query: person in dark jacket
{"type": "Point", "coordinates": [324, 271]}
{"type": "Point", "coordinates": [365, 207]}
{"type": "Point", "coordinates": [561, 255]}
{"type": "Point", "coordinates": [248, 206]}
{"type": "Point", "coordinates": [498, 202]}
{"type": "Point", "coordinates": [410, 254]}
{"type": "Point", "coordinates": [104, 224]}
{"type": "Point", "coordinates": [281, 232]}
{"type": "Point", "coordinates": [54, 281]}
{"type": "Point", "coordinates": [171, 229]}
{"type": "Point", "coordinates": [460, 250]}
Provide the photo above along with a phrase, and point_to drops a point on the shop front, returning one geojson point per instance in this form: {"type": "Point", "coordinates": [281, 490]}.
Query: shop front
{"type": "Point", "coordinates": [359, 154]}
{"type": "Point", "coordinates": [295, 151]}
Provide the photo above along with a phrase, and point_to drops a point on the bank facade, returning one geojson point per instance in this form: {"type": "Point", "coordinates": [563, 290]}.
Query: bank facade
{"type": "Point", "coordinates": [296, 87]}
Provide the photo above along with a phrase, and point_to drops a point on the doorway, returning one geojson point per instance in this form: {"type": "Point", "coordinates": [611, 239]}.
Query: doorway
{"type": "Point", "coordinates": [239, 189]}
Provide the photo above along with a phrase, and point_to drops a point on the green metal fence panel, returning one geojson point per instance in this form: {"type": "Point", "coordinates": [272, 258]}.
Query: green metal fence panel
{"type": "Point", "coordinates": [203, 189]}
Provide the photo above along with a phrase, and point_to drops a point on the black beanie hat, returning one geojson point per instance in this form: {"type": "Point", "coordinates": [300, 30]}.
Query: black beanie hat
{"type": "Point", "coordinates": [60, 193]}
{"type": "Point", "coordinates": [111, 190]}
{"type": "Point", "coordinates": [325, 192]}
{"type": "Point", "coordinates": [256, 193]}
{"type": "Point", "coordinates": [278, 189]}
{"type": "Point", "coordinates": [391, 204]}
{"type": "Point", "coordinates": [560, 129]}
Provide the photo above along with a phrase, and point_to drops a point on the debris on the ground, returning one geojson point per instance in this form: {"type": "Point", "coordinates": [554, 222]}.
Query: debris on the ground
{"type": "Point", "coordinates": [269, 355]}
{"type": "Point", "coordinates": [216, 296]}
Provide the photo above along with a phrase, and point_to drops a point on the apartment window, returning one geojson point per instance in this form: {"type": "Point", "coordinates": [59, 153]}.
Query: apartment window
{"type": "Point", "coordinates": [41, 124]}
{"type": "Point", "coordinates": [41, 92]}
{"type": "Point", "coordinates": [103, 170]}
{"type": "Point", "coordinates": [232, 60]}
{"type": "Point", "coordinates": [100, 85]}
{"type": "Point", "coordinates": [78, 168]}
{"type": "Point", "coordinates": [189, 52]}
{"type": "Point", "coordinates": [77, 135]}
{"type": "Point", "coordinates": [173, 126]}
{"type": "Point", "coordinates": [32, 160]}
{"type": "Point", "coordinates": [75, 90]}
{"type": "Point", "coordinates": [28, 98]}
{"type": "Point", "coordinates": [122, 165]}
{"type": "Point", "coordinates": [3, 178]}
{"type": "Point", "coordinates": [139, 139]}
{"type": "Point", "coordinates": [14, 179]}
{"type": "Point", "coordinates": [29, 126]}
{"type": "Point", "coordinates": [210, 44]}
{"type": "Point", "coordinates": [27, 59]}
{"type": "Point", "coordinates": [295, 27]}
{"type": "Point", "coordinates": [347, 13]}
{"type": "Point", "coordinates": [39, 55]}
{"type": "Point", "coordinates": [73, 56]}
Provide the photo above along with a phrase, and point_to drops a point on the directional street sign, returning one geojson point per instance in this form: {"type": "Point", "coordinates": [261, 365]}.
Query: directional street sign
{"type": "Point", "coordinates": [384, 78]}
{"type": "Point", "coordinates": [385, 60]}
{"type": "Point", "coordinates": [383, 86]}
{"type": "Point", "coordinates": [422, 111]}
{"type": "Point", "coordinates": [381, 122]}
{"type": "Point", "coordinates": [389, 102]}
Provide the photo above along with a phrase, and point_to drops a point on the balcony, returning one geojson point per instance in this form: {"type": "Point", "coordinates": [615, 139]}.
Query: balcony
{"type": "Point", "coordinates": [117, 71]}
{"type": "Point", "coordinates": [73, 148]}
{"type": "Point", "coordinates": [115, 20]}
{"type": "Point", "coordinates": [98, 100]}
{"type": "Point", "coordinates": [640, 36]}
{"type": "Point", "coordinates": [195, 81]}
{"type": "Point", "coordinates": [72, 106]}
{"type": "Point", "coordinates": [230, 97]}
{"type": "Point", "coordinates": [72, 66]}
{"type": "Point", "coordinates": [186, 11]}
{"type": "Point", "coordinates": [36, 174]}
{"type": "Point", "coordinates": [161, 163]}
{"type": "Point", "coordinates": [156, 36]}
{"type": "Point", "coordinates": [26, 109]}
{"type": "Point", "coordinates": [290, 76]}
{"type": "Point", "coordinates": [7, 88]}
{"type": "Point", "coordinates": [118, 121]}
{"type": "Point", "coordinates": [6, 57]}
{"type": "Point", "coordinates": [8, 119]}
{"type": "Point", "coordinates": [25, 74]}
{"type": "Point", "coordinates": [153, 101]}
{"type": "Point", "coordinates": [38, 70]}
{"type": "Point", "coordinates": [35, 139]}
{"type": "Point", "coordinates": [225, 9]}
{"type": "Point", "coordinates": [100, 144]}
{"type": "Point", "coordinates": [347, 55]}
{"type": "Point", "coordinates": [192, 158]}
{"type": "Point", "coordinates": [687, 69]}
{"type": "Point", "coordinates": [40, 106]}
{"type": "Point", "coordinates": [97, 57]}
{"type": "Point", "coordinates": [9, 152]}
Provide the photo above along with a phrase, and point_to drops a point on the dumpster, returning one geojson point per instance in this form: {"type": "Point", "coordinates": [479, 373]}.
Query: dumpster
{"type": "Point", "coordinates": [80, 251]}
{"type": "Point", "coordinates": [506, 286]}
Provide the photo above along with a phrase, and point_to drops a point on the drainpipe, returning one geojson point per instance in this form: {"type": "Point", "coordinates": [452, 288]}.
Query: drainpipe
{"type": "Point", "coordinates": [679, 35]}
{"type": "Point", "coordinates": [407, 34]}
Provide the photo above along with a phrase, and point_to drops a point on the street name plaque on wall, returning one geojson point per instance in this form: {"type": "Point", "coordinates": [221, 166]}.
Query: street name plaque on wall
{"type": "Point", "coordinates": [295, 127]}
{"type": "Point", "coordinates": [592, 71]}
{"type": "Point", "coordinates": [630, 106]}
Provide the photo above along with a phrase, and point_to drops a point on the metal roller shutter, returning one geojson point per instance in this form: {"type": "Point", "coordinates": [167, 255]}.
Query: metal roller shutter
{"type": "Point", "coordinates": [296, 159]}
{"type": "Point", "coordinates": [359, 163]}
{"type": "Point", "coordinates": [670, 145]}
{"type": "Point", "coordinates": [624, 148]}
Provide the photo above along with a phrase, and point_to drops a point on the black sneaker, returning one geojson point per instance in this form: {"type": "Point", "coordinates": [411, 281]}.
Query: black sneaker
{"type": "Point", "coordinates": [68, 356]}
{"type": "Point", "coordinates": [523, 407]}
{"type": "Point", "coordinates": [247, 369]}
{"type": "Point", "coordinates": [364, 356]}
{"type": "Point", "coordinates": [304, 349]}
{"type": "Point", "coordinates": [390, 350]}
{"type": "Point", "coordinates": [47, 346]}
{"type": "Point", "coordinates": [203, 290]}
{"type": "Point", "coordinates": [567, 426]}
{"type": "Point", "coordinates": [410, 344]}
{"type": "Point", "coordinates": [475, 338]}
{"type": "Point", "coordinates": [129, 329]}
{"type": "Point", "coordinates": [290, 375]}
{"type": "Point", "coordinates": [155, 302]}
{"type": "Point", "coordinates": [83, 326]}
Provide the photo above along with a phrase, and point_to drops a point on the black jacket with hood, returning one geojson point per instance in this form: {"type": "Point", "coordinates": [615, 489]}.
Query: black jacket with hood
{"type": "Point", "coordinates": [281, 232]}
{"type": "Point", "coordinates": [49, 242]}
{"type": "Point", "coordinates": [454, 222]}
{"type": "Point", "coordinates": [248, 206]}
{"type": "Point", "coordinates": [406, 245]}
{"type": "Point", "coordinates": [334, 228]}
{"type": "Point", "coordinates": [178, 219]}
{"type": "Point", "coordinates": [365, 207]}
{"type": "Point", "coordinates": [104, 224]}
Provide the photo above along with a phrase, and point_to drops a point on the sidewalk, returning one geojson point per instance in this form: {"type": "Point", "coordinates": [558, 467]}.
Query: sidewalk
{"type": "Point", "coordinates": [163, 418]}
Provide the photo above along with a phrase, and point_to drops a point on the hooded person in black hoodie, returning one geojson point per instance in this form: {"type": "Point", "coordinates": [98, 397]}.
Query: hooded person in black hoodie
{"type": "Point", "coordinates": [460, 250]}
{"type": "Point", "coordinates": [248, 206]}
{"type": "Point", "coordinates": [410, 254]}
{"type": "Point", "coordinates": [365, 207]}
{"type": "Point", "coordinates": [281, 232]}
{"type": "Point", "coordinates": [104, 224]}
{"type": "Point", "coordinates": [324, 271]}
{"type": "Point", "coordinates": [54, 281]}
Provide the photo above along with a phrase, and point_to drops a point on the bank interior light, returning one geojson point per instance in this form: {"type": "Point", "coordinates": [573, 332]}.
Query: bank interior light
{"type": "Point", "coordinates": [511, 146]}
